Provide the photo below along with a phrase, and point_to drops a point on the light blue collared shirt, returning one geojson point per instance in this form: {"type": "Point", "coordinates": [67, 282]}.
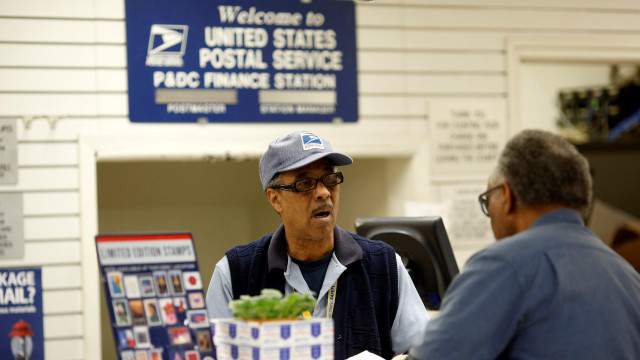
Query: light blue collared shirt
{"type": "Point", "coordinates": [554, 291]}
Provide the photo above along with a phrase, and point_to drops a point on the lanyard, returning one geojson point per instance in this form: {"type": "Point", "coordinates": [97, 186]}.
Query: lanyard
{"type": "Point", "coordinates": [331, 299]}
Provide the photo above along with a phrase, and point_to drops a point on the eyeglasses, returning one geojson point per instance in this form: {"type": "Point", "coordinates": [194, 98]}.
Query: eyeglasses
{"type": "Point", "coordinates": [308, 184]}
{"type": "Point", "coordinates": [483, 199]}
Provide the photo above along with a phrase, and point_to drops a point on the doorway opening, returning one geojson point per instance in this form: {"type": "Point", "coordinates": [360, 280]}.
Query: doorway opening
{"type": "Point", "coordinates": [220, 203]}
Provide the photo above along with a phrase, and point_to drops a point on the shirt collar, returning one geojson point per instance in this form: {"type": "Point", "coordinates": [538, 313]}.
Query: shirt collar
{"type": "Point", "coordinates": [563, 215]}
{"type": "Point", "coordinates": [345, 247]}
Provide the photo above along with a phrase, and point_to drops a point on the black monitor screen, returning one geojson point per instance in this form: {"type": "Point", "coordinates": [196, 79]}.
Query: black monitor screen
{"type": "Point", "coordinates": [424, 247]}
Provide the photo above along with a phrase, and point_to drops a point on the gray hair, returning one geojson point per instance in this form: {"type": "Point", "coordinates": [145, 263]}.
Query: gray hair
{"type": "Point", "coordinates": [543, 168]}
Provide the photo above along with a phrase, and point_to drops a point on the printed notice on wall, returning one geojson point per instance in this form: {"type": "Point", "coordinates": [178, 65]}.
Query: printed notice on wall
{"type": "Point", "coordinates": [21, 324]}
{"type": "Point", "coordinates": [155, 297]}
{"type": "Point", "coordinates": [11, 240]}
{"type": "Point", "coordinates": [460, 211]}
{"type": "Point", "coordinates": [8, 152]}
{"type": "Point", "coordinates": [241, 61]}
{"type": "Point", "coordinates": [466, 222]}
{"type": "Point", "coordinates": [466, 136]}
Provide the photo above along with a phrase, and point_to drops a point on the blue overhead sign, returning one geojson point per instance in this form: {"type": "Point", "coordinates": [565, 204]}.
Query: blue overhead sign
{"type": "Point", "coordinates": [241, 61]}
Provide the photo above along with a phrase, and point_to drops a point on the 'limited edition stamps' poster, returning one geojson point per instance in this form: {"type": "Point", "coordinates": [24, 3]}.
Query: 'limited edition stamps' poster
{"type": "Point", "coordinates": [154, 289]}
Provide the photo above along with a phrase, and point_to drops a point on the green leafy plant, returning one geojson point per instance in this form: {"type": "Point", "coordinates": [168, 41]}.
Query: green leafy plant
{"type": "Point", "coordinates": [270, 305]}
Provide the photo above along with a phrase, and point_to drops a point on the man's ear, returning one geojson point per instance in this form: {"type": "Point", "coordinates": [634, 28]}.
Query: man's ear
{"type": "Point", "coordinates": [509, 200]}
{"type": "Point", "coordinates": [273, 197]}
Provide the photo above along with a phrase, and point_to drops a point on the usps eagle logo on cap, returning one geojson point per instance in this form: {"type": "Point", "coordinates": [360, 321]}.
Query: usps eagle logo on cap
{"type": "Point", "coordinates": [310, 141]}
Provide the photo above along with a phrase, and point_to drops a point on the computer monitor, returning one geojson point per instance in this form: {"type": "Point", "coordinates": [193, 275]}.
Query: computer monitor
{"type": "Point", "coordinates": [424, 247]}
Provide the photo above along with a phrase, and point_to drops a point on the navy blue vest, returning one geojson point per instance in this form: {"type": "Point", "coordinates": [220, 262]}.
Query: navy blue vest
{"type": "Point", "coordinates": [367, 294]}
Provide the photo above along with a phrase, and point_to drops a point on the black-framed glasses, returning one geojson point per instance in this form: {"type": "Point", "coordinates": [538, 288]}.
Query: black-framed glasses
{"type": "Point", "coordinates": [483, 199]}
{"type": "Point", "coordinates": [308, 184]}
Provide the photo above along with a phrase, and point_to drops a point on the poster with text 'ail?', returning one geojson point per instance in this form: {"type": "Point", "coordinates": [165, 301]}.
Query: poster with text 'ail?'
{"type": "Point", "coordinates": [21, 325]}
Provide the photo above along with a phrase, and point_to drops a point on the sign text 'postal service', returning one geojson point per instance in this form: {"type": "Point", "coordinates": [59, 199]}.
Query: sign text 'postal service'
{"type": "Point", "coordinates": [241, 61]}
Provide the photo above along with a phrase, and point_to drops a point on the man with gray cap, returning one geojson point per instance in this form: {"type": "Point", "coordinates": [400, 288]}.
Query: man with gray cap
{"type": "Point", "coordinates": [549, 288]}
{"type": "Point", "coordinates": [360, 283]}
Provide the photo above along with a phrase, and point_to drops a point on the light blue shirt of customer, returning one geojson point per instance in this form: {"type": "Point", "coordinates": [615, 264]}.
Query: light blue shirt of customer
{"type": "Point", "coordinates": [554, 291]}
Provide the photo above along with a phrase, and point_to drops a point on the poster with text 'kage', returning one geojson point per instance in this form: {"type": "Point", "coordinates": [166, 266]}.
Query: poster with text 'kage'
{"type": "Point", "coordinates": [155, 297]}
{"type": "Point", "coordinates": [21, 325]}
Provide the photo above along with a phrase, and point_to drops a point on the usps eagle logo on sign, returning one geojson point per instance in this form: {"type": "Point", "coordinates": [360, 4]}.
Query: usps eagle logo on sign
{"type": "Point", "coordinates": [167, 44]}
{"type": "Point", "coordinates": [310, 141]}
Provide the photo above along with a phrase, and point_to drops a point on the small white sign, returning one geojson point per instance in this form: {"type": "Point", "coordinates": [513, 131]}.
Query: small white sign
{"type": "Point", "coordinates": [466, 136]}
{"type": "Point", "coordinates": [11, 240]}
{"type": "Point", "coordinates": [8, 152]}
{"type": "Point", "coordinates": [464, 220]}
{"type": "Point", "coordinates": [460, 212]}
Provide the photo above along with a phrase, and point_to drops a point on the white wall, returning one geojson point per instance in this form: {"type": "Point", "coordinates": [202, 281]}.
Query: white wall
{"type": "Point", "coordinates": [66, 59]}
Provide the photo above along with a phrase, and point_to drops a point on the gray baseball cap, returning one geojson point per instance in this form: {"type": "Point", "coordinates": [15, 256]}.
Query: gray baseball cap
{"type": "Point", "coordinates": [295, 150]}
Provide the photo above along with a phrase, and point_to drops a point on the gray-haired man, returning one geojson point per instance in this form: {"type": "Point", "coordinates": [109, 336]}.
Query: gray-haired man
{"type": "Point", "coordinates": [373, 302]}
{"type": "Point", "coordinates": [549, 289]}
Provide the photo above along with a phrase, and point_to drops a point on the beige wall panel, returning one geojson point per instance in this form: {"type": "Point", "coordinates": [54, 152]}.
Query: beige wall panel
{"type": "Point", "coordinates": [491, 19]}
{"type": "Point", "coordinates": [59, 326]}
{"type": "Point", "coordinates": [64, 349]}
{"type": "Point", "coordinates": [113, 104]}
{"type": "Point", "coordinates": [111, 56]}
{"type": "Point", "coordinates": [62, 31]}
{"type": "Point", "coordinates": [48, 8]}
{"type": "Point", "coordinates": [30, 154]}
{"type": "Point", "coordinates": [68, 129]}
{"type": "Point", "coordinates": [395, 61]}
{"type": "Point", "coordinates": [112, 9]}
{"type": "Point", "coordinates": [411, 40]}
{"type": "Point", "coordinates": [580, 55]}
{"type": "Point", "coordinates": [51, 228]}
{"type": "Point", "coordinates": [105, 104]}
{"type": "Point", "coordinates": [63, 104]}
{"type": "Point", "coordinates": [115, 9]}
{"type": "Point", "coordinates": [56, 55]}
{"type": "Point", "coordinates": [62, 301]}
{"type": "Point", "coordinates": [61, 277]}
{"type": "Point", "coordinates": [43, 253]}
{"type": "Point", "coordinates": [51, 203]}
{"type": "Point", "coordinates": [44, 30]}
{"type": "Point", "coordinates": [373, 16]}
{"type": "Point", "coordinates": [41, 80]}
{"type": "Point", "coordinates": [432, 84]}
{"type": "Point", "coordinates": [23, 55]}
{"type": "Point", "coordinates": [564, 4]}
{"type": "Point", "coordinates": [391, 106]}
{"type": "Point", "coordinates": [56, 179]}
{"type": "Point", "coordinates": [48, 104]}
{"type": "Point", "coordinates": [111, 80]}
{"type": "Point", "coordinates": [110, 31]}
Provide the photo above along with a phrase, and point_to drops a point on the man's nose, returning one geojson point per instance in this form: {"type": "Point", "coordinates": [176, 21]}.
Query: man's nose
{"type": "Point", "coordinates": [322, 192]}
